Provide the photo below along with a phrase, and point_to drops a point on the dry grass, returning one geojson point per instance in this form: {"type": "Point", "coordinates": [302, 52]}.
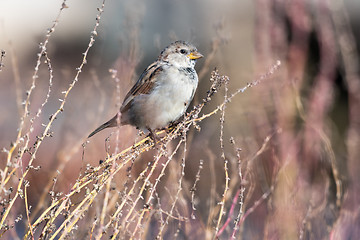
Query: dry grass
{"type": "Point", "coordinates": [277, 161]}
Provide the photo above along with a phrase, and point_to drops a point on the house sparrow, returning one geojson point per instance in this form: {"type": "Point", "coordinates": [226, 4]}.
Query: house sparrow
{"type": "Point", "coordinates": [163, 92]}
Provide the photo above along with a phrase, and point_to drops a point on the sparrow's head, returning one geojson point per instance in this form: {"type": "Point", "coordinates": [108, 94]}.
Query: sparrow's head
{"type": "Point", "coordinates": [180, 54]}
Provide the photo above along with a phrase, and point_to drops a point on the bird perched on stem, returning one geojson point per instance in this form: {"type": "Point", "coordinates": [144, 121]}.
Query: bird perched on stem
{"type": "Point", "coordinates": [162, 93]}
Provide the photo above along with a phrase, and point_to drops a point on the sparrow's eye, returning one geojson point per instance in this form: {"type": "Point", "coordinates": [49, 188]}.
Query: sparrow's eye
{"type": "Point", "coordinates": [183, 51]}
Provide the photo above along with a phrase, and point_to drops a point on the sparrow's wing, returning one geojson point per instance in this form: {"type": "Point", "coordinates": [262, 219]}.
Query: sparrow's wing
{"type": "Point", "coordinates": [144, 85]}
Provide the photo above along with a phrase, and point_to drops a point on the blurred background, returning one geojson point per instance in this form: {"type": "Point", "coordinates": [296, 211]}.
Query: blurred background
{"type": "Point", "coordinates": [305, 115]}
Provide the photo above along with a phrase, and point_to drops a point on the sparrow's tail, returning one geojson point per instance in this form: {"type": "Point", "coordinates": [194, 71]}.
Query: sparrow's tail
{"type": "Point", "coordinates": [111, 123]}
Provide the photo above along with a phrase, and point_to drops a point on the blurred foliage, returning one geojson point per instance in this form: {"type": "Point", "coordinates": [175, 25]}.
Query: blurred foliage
{"type": "Point", "coordinates": [266, 151]}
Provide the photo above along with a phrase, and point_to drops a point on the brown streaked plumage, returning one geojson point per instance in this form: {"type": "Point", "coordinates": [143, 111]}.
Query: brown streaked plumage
{"type": "Point", "coordinates": [162, 93]}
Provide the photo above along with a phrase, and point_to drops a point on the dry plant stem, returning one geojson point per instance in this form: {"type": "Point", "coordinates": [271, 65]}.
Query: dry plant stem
{"type": "Point", "coordinates": [242, 186]}
{"type": "Point", "coordinates": [182, 173]}
{"type": "Point", "coordinates": [86, 202]}
{"type": "Point", "coordinates": [271, 71]}
{"type": "Point", "coordinates": [118, 212]}
{"type": "Point", "coordinates": [162, 222]}
{"type": "Point", "coordinates": [239, 193]}
{"type": "Point", "coordinates": [61, 167]}
{"type": "Point", "coordinates": [27, 210]}
{"type": "Point", "coordinates": [162, 173]}
{"type": "Point", "coordinates": [222, 120]}
{"type": "Point", "coordinates": [92, 229]}
{"type": "Point", "coordinates": [19, 139]}
{"type": "Point", "coordinates": [179, 218]}
{"type": "Point", "coordinates": [119, 209]}
{"type": "Point", "coordinates": [256, 204]}
{"type": "Point", "coordinates": [231, 211]}
{"type": "Point", "coordinates": [183, 140]}
{"type": "Point", "coordinates": [97, 173]}
{"type": "Point", "coordinates": [32, 120]}
{"type": "Point", "coordinates": [216, 43]}
{"type": "Point", "coordinates": [193, 189]}
{"type": "Point", "coordinates": [105, 203]}
{"type": "Point", "coordinates": [227, 179]}
{"type": "Point", "coordinates": [143, 212]}
{"type": "Point", "coordinates": [63, 101]}
{"type": "Point", "coordinates": [81, 184]}
{"type": "Point", "coordinates": [197, 109]}
{"type": "Point", "coordinates": [171, 136]}
{"type": "Point", "coordinates": [79, 211]}
{"type": "Point", "coordinates": [222, 203]}
{"type": "Point", "coordinates": [228, 99]}
{"type": "Point", "coordinates": [241, 203]}
{"type": "Point", "coordinates": [142, 189]}
{"type": "Point", "coordinates": [27, 101]}
{"type": "Point", "coordinates": [75, 215]}
{"type": "Point", "coordinates": [67, 155]}
{"type": "Point", "coordinates": [239, 221]}
{"type": "Point", "coordinates": [241, 90]}
{"type": "Point", "coordinates": [261, 150]}
{"type": "Point", "coordinates": [113, 165]}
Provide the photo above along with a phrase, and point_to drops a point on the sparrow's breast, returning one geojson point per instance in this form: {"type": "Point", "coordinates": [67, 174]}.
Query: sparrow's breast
{"type": "Point", "coordinates": [170, 98]}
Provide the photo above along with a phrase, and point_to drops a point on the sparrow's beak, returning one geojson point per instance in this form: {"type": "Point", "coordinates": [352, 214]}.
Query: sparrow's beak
{"type": "Point", "coordinates": [195, 55]}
